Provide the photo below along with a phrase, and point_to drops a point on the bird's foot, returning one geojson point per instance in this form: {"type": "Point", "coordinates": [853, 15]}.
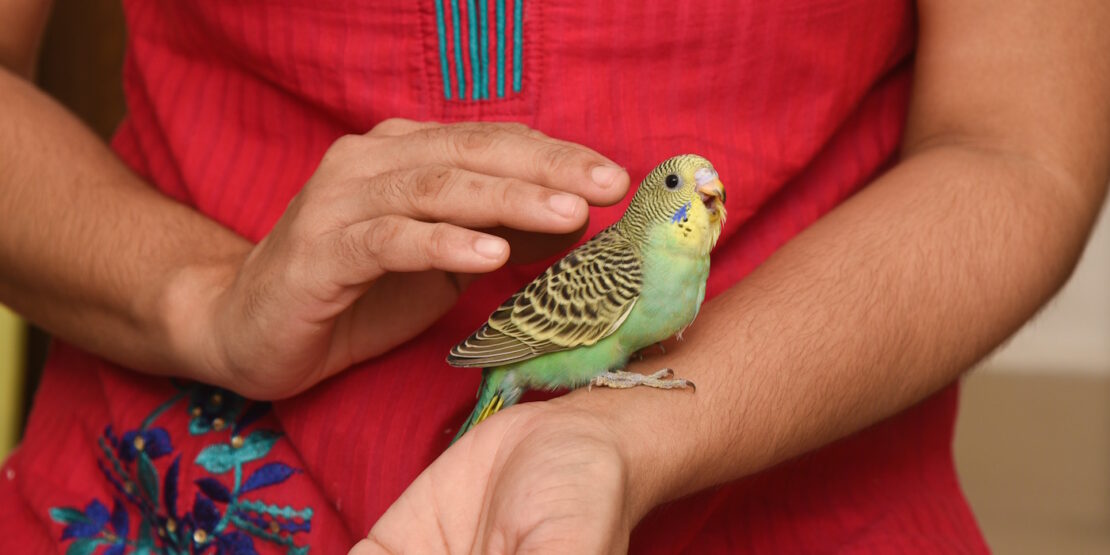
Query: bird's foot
{"type": "Point", "coordinates": [619, 379]}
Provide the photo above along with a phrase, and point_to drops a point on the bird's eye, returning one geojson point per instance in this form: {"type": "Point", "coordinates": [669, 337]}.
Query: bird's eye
{"type": "Point", "coordinates": [672, 181]}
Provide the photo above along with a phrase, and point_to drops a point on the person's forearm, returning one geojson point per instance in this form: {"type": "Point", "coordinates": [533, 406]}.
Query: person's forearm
{"type": "Point", "coordinates": [877, 305]}
{"type": "Point", "coordinates": [88, 250]}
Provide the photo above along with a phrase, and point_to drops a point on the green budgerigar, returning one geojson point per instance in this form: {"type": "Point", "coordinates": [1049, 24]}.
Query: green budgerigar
{"type": "Point", "coordinates": [633, 285]}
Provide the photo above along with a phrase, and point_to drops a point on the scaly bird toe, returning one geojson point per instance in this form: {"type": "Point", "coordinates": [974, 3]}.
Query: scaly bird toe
{"type": "Point", "coordinates": [621, 379]}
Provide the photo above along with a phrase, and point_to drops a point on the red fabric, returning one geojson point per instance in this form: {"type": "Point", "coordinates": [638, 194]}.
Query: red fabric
{"type": "Point", "coordinates": [798, 103]}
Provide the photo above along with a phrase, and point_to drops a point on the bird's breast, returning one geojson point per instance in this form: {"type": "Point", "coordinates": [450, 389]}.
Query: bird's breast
{"type": "Point", "coordinates": [687, 234]}
{"type": "Point", "coordinates": [674, 277]}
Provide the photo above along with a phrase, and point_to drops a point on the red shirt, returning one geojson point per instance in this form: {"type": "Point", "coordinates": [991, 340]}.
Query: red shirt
{"type": "Point", "coordinates": [798, 103]}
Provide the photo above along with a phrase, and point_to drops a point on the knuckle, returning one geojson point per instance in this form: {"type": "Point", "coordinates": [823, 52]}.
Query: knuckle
{"type": "Point", "coordinates": [554, 159]}
{"type": "Point", "coordinates": [431, 184]}
{"type": "Point", "coordinates": [475, 188]}
{"type": "Point", "coordinates": [439, 241]}
{"type": "Point", "coordinates": [467, 140]}
{"type": "Point", "coordinates": [507, 193]}
{"type": "Point", "coordinates": [384, 232]}
{"type": "Point", "coordinates": [347, 145]}
{"type": "Point", "coordinates": [388, 188]}
{"type": "Point", "coordinates": [516, 128]}
{"type": "Point", "coordinates": [536, 133]}
{"type": "Point", "coordinates": [353, 247]}
{"type": "Point", "coordinates": [390, 126]}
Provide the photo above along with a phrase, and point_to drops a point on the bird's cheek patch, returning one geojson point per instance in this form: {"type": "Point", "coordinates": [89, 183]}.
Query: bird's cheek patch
{"type": "Point", "coordinates": [681, 215]}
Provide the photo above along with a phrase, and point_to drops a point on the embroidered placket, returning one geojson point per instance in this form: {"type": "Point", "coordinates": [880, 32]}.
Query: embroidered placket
{"type": "Point", "coordinates": [455, 57]}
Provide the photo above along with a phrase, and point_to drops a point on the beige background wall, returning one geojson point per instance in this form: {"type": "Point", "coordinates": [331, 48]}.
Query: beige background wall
{"type": "Point", "coordinates": [1033, 437]}
{"type": "Point", "coordinates": [1072, 335]}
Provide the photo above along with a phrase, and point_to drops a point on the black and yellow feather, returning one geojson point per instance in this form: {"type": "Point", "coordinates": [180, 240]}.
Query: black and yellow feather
{"type": "Point", "coordinates": [579, 300]}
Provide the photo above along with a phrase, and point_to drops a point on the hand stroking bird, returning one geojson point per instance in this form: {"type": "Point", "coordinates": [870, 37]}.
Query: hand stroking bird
{"type": "Point", "coordinates": [634, 284]}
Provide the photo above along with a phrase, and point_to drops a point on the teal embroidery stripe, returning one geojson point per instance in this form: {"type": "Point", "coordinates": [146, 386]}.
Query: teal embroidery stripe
{"type": "Point", "coordinates": [518, 44]}
{"type": "Point", "coordinates": [465, 64]}
{"type": "Point", "coordinates": [458, 49]}
{"type": "Point", "coordinates": [441, 30]}
{"type": "Point", "coordinates": [500, 48]}
{"type": "Point", "coordinates": [472, 36]}
{"type": "Point", "coordinates": [483, 47]}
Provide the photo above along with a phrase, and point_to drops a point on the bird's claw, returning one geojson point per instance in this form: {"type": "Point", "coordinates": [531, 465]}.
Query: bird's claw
{"type": "Point", "coordinates": [662, 379]}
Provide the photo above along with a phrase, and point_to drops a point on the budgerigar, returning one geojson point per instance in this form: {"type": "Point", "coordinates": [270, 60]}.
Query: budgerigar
{"type": "Point", "coordinates": [634, 284]}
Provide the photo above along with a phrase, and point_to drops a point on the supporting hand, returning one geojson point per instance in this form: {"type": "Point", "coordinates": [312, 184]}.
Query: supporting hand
{"type": "Point", "coordinates": [536, 478]}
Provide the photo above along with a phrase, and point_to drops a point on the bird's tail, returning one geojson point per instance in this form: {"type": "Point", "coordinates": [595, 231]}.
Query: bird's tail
{"type": "Point", "coordinates": [491, 398]}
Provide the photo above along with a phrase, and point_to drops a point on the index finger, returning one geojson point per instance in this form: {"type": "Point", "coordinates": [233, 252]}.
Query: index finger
{"type": "Point", "coordinates": [514, 151]}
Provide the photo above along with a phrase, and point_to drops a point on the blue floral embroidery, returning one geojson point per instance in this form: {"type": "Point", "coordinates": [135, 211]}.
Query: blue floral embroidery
{"type": "Point", "coordinates": [219, 519]}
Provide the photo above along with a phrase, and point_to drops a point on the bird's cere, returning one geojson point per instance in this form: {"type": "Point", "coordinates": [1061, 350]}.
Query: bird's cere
{"type": "Point", "coordinates": [704, 176]}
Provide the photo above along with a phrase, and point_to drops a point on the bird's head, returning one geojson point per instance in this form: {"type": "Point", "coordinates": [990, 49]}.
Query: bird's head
{"type": "Point", "coordinates": [685, 191]}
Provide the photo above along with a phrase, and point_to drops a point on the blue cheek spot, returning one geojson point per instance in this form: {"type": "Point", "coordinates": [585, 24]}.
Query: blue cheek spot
{"type": "Point", "coordinates": [680, 214]}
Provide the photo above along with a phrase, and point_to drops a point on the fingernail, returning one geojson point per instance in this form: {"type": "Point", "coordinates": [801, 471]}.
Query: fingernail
{"type": "Point", "coordinates": [489, 247]}
{"type": "Point", "coordinates": [564, 205]}
{"type": "Point", "coordinates": [605, 175]}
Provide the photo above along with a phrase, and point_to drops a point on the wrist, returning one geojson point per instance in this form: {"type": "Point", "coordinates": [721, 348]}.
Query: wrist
{"type": "Point", "coordinates": [644, 456]}
{"type": "Point", "coordinates": [189, 314]}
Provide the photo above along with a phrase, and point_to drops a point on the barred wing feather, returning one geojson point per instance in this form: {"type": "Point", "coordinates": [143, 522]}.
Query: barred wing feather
{"type": "Point", "coordinates": [578, 301]}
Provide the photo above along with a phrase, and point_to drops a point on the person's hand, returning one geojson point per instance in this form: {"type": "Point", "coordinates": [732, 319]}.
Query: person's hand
{"type": "Point", "coordinates": [536, 478]}
{"type": "Point", "coordinates": [370, 252]}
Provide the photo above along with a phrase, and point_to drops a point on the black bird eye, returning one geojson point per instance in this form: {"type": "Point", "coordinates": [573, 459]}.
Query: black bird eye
{"type": "Point", "coordinates": [672, 181]}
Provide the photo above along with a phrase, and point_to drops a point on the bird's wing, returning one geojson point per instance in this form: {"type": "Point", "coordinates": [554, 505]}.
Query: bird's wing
{"type": "Point", "coordinates": [578, 301]}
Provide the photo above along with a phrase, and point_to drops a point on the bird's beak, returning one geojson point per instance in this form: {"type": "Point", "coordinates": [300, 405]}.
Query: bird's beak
{"type": "Point", "coordinates": [712, 193]}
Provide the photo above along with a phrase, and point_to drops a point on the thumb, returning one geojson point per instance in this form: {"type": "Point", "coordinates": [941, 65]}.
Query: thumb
{"type": "Point", "coordinates": [371, 546]}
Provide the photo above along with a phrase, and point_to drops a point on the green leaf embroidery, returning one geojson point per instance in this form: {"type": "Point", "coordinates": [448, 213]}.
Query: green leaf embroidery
{"type": "Point", "coordinates": [285, 512]}
{"type": "Point", "coordinates": [83, 546]}
{"type": "Point", "coordinates": [256, 445]}
{"type": "Point", "coordinates": [198, 427]}
{"type": "Point", "coordinates": [145, 542]}
{"type": "Point", "coordinates": [221, 457]}
{"type": "Point", "coordinates": [67, 515]}
{"type": "Point", "coordinates": [148, 478]}
{"type": "Point", "coordinates": [216, 458]}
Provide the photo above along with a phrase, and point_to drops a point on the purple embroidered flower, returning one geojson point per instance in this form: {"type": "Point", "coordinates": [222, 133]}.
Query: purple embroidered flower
{"type": "Point", "coordinates": [208, 531]}
{"type": "Point", "coordinates": [219, 522]}
{"type": "Point", "coordinates": [82, 524]}
{"type": "Point", "coordinates": [120, 528]}
{"type": "Point", "coordinates": [155, 442]}
{"type": "Point", "coordinates": [90, 527]}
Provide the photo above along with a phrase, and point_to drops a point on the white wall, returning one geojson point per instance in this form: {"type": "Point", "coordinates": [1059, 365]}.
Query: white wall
{"type": "Point", "coordinates": [1071, 335]}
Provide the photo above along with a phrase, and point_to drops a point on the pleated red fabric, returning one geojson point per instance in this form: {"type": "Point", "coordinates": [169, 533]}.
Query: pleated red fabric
{"type": "Point", "coordinates": [798, 103]}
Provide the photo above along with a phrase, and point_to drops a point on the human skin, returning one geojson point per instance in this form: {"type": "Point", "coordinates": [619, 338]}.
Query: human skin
{"type": "Point", "coordinates": [1004, 168]}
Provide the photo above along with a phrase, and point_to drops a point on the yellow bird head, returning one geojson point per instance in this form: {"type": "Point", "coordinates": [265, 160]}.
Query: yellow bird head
{"type": "Point", "coordinates": [684, 191]}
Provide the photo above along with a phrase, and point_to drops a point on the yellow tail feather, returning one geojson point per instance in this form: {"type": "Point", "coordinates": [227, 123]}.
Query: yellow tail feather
{"type": "Point", "coordinates": [490, 409]}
